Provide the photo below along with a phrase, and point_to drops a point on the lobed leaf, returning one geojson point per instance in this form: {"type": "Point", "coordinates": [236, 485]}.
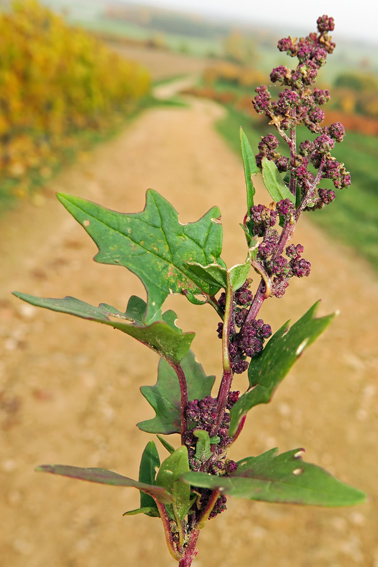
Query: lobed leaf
{"type": "Point", "coordinates": [103, 476]}
{"type": "Point", "coordinates": [161, 336]}
{"type": "Point", "coordinates": [165, 396]}
{"type": "Point", "coordinates": [250, 167]}
{"type": "Point", "coordinates": [153, 245]}
{"type": "Point", "coordinates": [280, 478]}
{"type": "Point", "coordinates": [274, 183]}
{"type": "Point", "coordinates": [267, 370]}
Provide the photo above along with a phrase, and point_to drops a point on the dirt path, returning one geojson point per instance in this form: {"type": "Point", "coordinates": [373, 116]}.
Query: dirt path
{"type": "Point", "coordinates": [69, 390]}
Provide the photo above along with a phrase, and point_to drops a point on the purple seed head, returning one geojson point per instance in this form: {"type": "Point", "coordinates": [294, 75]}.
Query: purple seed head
{"type": "Point", "coordinates": [325, 24]}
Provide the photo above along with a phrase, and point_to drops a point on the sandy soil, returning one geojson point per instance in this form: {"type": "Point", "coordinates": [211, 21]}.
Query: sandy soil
{"type": "Point", "coordinates": [69, 390]}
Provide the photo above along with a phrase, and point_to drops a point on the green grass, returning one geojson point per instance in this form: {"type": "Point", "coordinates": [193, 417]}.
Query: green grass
{"type": "Point", "coordinates": [353, 217]}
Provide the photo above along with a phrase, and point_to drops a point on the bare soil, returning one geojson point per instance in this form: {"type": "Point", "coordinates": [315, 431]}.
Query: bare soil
{"type": "Point", "coordinates": [69, 390]}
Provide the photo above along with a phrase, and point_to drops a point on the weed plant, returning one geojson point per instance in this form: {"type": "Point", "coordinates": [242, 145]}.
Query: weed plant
{"type": "Point", "coordinates": [192, 484]}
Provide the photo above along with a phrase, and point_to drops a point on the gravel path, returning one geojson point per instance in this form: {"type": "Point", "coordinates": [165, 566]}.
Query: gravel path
{"type": "Point", "coordinates": [69, 390]}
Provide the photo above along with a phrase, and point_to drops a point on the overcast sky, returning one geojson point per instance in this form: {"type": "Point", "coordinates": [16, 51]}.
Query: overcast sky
{"type": "Point", "coordinates": [355, 20]}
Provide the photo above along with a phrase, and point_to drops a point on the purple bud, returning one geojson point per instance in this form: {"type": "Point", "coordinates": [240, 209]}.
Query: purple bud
{"type": "Point", "coordinates": [306, 148]}
{"type": "Point", "coordinates": [325, 24]}
{"type": "Point", "coordinates": [337, 131]}
{"type": "Point", "coordinates": [321, 96]}
{"type": "Point", "coordinates": [282, 164]}
{"type": "Point", "coordinates": [288, 45]}
{"type": "Point", "coordinates": [261, 100]}
{"type": "Point", "coordinates": [279, 74]}
{"type": "Point", "coordinates": [326, 195]}
{"type": "Point", "coordinates": [316, 115]}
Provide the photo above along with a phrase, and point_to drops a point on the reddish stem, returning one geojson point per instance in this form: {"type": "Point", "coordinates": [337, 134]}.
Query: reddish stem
{"type": "Point", "coordinates": [224, 390]}
{"type": "Point", "coordinates": [239, 429]}
{"type": "Point", "coordinates": [257, 302]}
{"type": "Point", "coordinates": [191, 550]}
{"type": "Point", "coordinates": [167, 530]}
{"type": "Point", "coordinates": [184, 395]}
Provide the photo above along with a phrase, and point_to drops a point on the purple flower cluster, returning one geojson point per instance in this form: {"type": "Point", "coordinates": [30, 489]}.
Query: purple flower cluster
{"type": "Point", "coordinates": [298, 104]}
{"type": "Point", "coordinates": [249, 340]}
{"type": "Point", "coordinates": [279, 269]}
{"type": "Point", "coordinates": [202, 414]}
{"type": "Point", "coordinates": [220, 504]}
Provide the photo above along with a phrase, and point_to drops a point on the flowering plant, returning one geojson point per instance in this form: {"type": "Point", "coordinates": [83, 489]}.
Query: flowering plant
{"type": "Point", "coordinates": [193, 482]}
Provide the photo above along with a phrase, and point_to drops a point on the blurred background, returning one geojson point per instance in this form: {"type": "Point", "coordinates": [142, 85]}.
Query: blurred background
{"type": "Point", "coordinates": [57, 97]}
{"type": "Point", "coordinates": [103, 99]}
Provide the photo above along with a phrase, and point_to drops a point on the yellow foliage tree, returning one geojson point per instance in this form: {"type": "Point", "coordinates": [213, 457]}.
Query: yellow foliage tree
{"type": "Point", "coordinates": [54, 80]}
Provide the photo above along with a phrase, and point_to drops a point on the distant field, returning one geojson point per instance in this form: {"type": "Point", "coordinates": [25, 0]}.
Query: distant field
{"type": "Point", "coordinates": [163, 64]}
{"type": "Point", "coordinates": [353, 217]}
{"type": "Point", "coordinates": [199, 47]}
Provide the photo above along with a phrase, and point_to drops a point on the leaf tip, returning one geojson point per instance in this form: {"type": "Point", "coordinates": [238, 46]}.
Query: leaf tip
{"type": "Point", "coordinates": [44, 468]}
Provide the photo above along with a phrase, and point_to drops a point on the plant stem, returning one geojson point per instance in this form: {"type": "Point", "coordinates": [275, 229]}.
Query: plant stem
{"type": "Point", "coordinates": [225, 385]}
{"type": "Point", "coordinates": [184, 396]}
{"type": "Point", "coordinates": [167, 531]}
{"type": "Point", "coordinates": [239, 429]}
{"type": "Point", "coordinates": [191, 550]}
{"type": "Point", "coordinates": [257, 302]}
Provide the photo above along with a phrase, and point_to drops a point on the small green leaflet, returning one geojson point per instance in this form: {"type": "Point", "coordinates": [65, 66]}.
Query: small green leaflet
{"type": "Point", "coordinates": [282, 478]}
{"type": "Point", "coordinates": [266, 371]}
{"type": "Point", "coordinates": [166, 445]}
{"type": "Point", "coordinates": [169, 477]}
{"type": "Point", "coordinates": [165, 396]}
{"type": "Point", "coordinates": [274, 183]}
{"type": "Point", "coordinates": [250, 167]}
{"type": "Point", "coordinates": [161, 336]}
{"type": "Point", "coordinates": [148, 511]}
{"type": "Point", "coordinates": [239, 273]}
{"type": "Point", "coordinates": [203, 451]}
{"type": "Point", "coordinates": [149, 465]}
{"type": "Point", "coordinates": [215, 274]}
{"type": "Point", "coordinates": [103, 476]}
{"type": "Point", "coordinates": [153, 245]}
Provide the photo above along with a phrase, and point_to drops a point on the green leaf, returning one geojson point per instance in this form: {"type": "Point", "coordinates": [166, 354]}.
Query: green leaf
{"type": "Point", "coordinates": [165, 396]}
{"type": "Point", "coordinates": [152, 512]}
{"type": "Point", "coordinates": [103, 476]}
{"type": "Point", "coordinates": [166, 445]}
{"type": "Point", "coordinates": [213, 274]}
{"type": "Point", "coordinates": [274, 183]}
{"type": "Point", "coordinates": [203, 451]}
{"type": "Point", "coordinates": [267, 370]}
{"type": "Point", "coordinates": [195, 299]}
{"type": "Point", "coordinates": [280, 478]}
{"type": "Point", "coordinates": [239, 273]}
{"type": "Point", "coordinates": [162, 336]}
{"type": "Point", "coordinates": [149, 465]}
{"type": "Point", "coordinates": [250, 167]}
{"type": "Point", "coordinates": [169, 477]}
{"type": "Point", "coordinates": [152, 244]}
